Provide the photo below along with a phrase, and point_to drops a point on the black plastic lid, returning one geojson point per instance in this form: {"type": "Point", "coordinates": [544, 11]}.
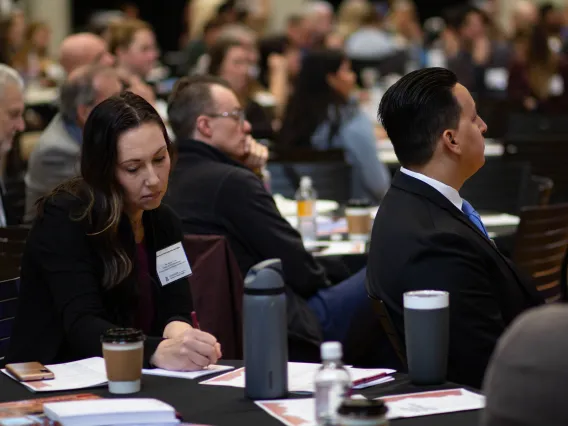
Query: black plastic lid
{"type": "Point", "coordinates": [122, 335]}
{"type": "Point", "coordinates": [362, 408]}
{"type": "Point", "coordinates": [361, 203]}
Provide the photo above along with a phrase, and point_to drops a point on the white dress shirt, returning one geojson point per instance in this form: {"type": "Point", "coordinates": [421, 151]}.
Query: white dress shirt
{"type": "Point", "coordinates": [447, 191]}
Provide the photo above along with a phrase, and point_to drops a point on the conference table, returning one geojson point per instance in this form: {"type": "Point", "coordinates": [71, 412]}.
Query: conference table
{"type": "Point", "coordinates": [227, 406]}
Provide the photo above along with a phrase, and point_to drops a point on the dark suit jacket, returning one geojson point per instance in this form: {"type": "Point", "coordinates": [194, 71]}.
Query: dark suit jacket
{"type": "Point", "coordinates": [63, 308]}
{"type": "Point", "coordinates": [420, 240]}
{"type": "Point", "coordinates": [215, 195]}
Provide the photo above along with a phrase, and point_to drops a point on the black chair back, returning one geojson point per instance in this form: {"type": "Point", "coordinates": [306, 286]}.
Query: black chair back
{"type": "Point", "coordinates": [500, 186]}
{"type": "Point", "coordinates": [12, 244]}
{"type": "Point", "coordinates": [8, 307]}
{"type": "Point", "coordinates": [332, 181]}
{"type": "Point", "coordinates": [531, 127]}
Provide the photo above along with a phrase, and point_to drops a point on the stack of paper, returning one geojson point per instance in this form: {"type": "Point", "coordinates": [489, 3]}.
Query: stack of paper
{"type": "Point", "coordinates": [301, 377]}
{"type": "Point", "coordinates": [112, 412]}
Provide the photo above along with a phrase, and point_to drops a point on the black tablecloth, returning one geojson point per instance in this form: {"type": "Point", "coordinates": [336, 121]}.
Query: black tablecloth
{"type": "Point", "coordinates": [226, 406]}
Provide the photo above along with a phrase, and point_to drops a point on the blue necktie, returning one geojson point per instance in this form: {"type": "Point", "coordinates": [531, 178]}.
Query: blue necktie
{"type": "Point", "coordinates": [474, 217]}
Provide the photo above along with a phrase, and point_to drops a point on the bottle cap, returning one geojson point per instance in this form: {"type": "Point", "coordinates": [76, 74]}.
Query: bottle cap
{"type": "Point", "coordinates": [306, 182]}
{"type": "Point", "coordinates": [331, 350]}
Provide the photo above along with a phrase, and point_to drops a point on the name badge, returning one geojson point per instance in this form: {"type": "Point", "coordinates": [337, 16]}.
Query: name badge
{"type": "Point", "coordinates": [172, 264]}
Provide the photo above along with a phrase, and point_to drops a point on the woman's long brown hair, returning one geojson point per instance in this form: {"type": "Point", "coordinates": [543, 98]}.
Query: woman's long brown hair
{"type": "Point", "coordinates": [97, 187]}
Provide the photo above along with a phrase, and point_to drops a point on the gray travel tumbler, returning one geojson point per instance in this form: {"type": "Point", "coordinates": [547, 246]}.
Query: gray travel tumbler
{"type": "Point", "coordinates": [265, 332]}
{"type": "Point", "coordinates": [427, 329]}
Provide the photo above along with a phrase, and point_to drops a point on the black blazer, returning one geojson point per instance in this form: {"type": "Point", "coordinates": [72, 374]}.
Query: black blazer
{"type": "Point", "coordinates": [214, 195]}
{"type": "Point", "coordinates": [420, 240]}
{"type": "Point", "coordinates": [63, 308]}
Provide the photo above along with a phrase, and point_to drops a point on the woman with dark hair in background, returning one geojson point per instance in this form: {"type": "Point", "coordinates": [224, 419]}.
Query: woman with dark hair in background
{"type": "Point", "coordinates": [231, 60]}
{"type": "Point", "coordinates": [90, 262]}
{"type": "Point", "coordinates": [538, 77]}
{"type": "Point", "coordinates": [322, 114]}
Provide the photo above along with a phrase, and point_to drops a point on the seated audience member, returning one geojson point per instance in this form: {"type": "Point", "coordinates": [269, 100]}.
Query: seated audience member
{"type": "Point", "coordinates": [320, 16]}
{"type": "Point", "coordinates": [90, 258]}
{"type": "Point", "coordinates": [11, 122]}
{"type": "Point", "coordinates": [323, 114]}
{"type": "Point", "coordinates": [57, 154]}
{"type": "Point", "coordinates": [370, 41]}
{"type": "Point", "coordinates": [477, 52]}
{"type": "Point", "coordinates": [426, 236]}
{"type": "Point", "coordinates": [525, 381]}
{"type": "Point", "coordinates": [82, 49]}
{"type": "Point", "coordinates": [538, 78]}
{"type": "Point", "coordinates": [133, 43]}
{"type": "Point", "coordinates": [215, 192]}
{"type": "Point", "coordinates": [33, 61]}
{"type": "Point", "coordinates": [12, 35]}
{"type": "Point", "coordinates": [230, 60]}
{"type": "Point", "coordinates": [199, 46]}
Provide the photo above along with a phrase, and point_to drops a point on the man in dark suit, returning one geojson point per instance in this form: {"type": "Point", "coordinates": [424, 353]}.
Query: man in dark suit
{"type": "Point", "coordinates": [426, 236]}
{"type": "Point", "coordinates": [214, 191]}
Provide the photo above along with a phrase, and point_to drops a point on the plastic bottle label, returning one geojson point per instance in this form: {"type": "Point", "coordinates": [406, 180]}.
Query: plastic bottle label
{"type": "Point", "coordinates": [306, 208]}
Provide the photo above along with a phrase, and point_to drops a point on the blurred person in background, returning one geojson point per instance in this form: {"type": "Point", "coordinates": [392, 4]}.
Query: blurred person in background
{"type": "Point", "coordinates": [200, 12]}
{"type": "Point", "coordinates": [351, 16]}
{"type": "Point", "coordinates": [370, 41]}
{"type": "Point", "coordinates": [78, 50]}
{"type": "Point", "coordinates": [12, 36]}
{"type": "Point", "coordinates": [11, 123]}
{"type": "Point", "coordinates": [134, 45]}
{"type": "Point", "coordinates": [551, 19]}
{"type": "Point", "coordinates": [199, 46]}
{"type": "Point", "coordinates": [524, 16]}
{"type": "Point", "coordinates": [405, 26]}
{"type": "Point", "coordinates": [230, 60]}
{"type": "Point", "coordinates": [56, 156]}
{"type": "Point", "coordinates": [538, 78]}
{"type": "Point", "coordinates": [290, 46]}
{"type": "Point", "coordinates": [320, 17]}
{"type": "Point", "coordinates": [477, 51]}
{"type": "Point", "coordinates": [33, 60]}
{"type": "Point", "coordinates": [322, 114]}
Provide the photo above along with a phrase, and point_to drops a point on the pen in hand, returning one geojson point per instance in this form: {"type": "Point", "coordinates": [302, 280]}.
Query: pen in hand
{"type": "Point", "coordinates": [194, 321]}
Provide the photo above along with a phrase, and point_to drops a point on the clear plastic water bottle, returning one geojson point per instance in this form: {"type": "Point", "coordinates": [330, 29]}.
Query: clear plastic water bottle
{"type": "Point", "coordinates": [306, 197]}
{"type": "Point", "coordinates": [332, 384]}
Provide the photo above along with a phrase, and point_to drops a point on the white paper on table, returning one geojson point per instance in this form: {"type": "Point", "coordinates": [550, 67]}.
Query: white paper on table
{"type": "Point", "coordinates": [301, 376]}
{"type": "Point", "coordinates": [288, 207]}
{"type": "Point", "coordinates": [291, 412]}
{"type": "Point", "coordinates": [500, 219]}
{"type": "Point", "coordinates": [85, 373]}
{"type": "Point", "coordinates": [301, 412]}
{"type": "Point", "coordinates": [342, 247]}
{"type": "Point", "coordinates": [434, 402]}
{"type": "Point", "coordinates": [326, 225]}
{"type": "Point", "coordinates": [212, 369]}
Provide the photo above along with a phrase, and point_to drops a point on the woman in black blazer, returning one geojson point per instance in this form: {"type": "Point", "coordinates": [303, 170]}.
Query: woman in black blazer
{"type": "Point", "coordinates": [91, 258]}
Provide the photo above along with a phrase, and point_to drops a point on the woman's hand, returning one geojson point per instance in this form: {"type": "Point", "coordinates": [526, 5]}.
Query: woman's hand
{"type": "Point", "coordinates": [175, 328]}
{"type": "Point", "coordinates": [191, 350]}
